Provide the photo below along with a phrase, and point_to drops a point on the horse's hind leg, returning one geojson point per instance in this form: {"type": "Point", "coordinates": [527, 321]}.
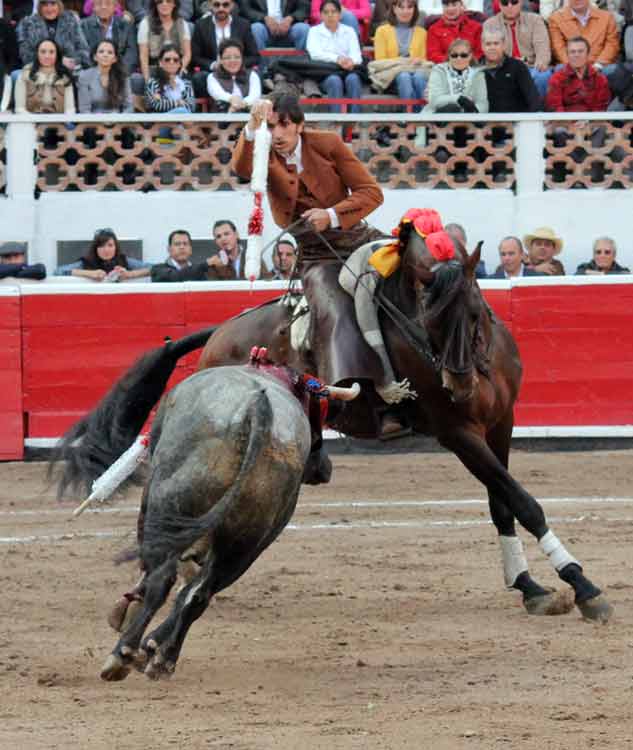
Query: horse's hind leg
{"type": "Point", "coordinates": [477, 457]}
{"type": "Point", "coordinates": [157, 587]}
{"type": "Point", "coordinates": [536, 599]}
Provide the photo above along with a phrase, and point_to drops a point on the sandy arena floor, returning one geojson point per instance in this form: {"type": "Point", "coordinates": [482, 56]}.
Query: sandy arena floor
{"type": "Point", "coordinates": [379, 624]}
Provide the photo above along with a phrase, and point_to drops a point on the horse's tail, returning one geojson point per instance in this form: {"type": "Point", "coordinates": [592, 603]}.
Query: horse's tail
{"type": "Point", "coordinates": [166, 534]}
{"type": "Point", "coordinates": [95, 442]}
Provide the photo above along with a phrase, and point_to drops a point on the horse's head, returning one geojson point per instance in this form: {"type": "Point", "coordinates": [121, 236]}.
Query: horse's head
{"type": "Point", "coordinates": [449, 307]}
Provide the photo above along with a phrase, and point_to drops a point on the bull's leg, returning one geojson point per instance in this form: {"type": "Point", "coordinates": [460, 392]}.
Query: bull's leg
{"type": "Point", "coordinates": [477, 457]}
{"type": "Point", "coordinates": [536, 599]}
{"type": "Point", "coordinates": [158, 584]}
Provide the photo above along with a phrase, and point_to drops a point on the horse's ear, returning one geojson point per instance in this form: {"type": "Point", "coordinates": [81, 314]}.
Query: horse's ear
{"type": "Point", "coordinates": [473, 259]}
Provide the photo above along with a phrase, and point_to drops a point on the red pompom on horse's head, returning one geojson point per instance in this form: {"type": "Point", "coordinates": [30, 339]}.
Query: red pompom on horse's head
{"type": "Point", "coordinates": [428, 224]}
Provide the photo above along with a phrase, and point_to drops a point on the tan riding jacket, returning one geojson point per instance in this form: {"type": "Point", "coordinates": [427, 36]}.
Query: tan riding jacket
{"type": "Point", "coordinates": [332, 175]}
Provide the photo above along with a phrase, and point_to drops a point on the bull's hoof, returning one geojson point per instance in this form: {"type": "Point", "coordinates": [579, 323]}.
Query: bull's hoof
{"type": "Point", "coordinates": [553, 603]}
{"type": "Point", "coordinates": [114, 669]}
{"type": "Point", "coordinates": [596, 609]}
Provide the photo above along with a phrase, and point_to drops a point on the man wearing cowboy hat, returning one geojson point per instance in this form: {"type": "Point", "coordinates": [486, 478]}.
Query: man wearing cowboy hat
{"type": "Point", "coordinates": [542, 245]}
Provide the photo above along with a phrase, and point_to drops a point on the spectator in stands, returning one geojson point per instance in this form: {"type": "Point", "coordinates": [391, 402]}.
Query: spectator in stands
{"type": "Point", "coordinates": [355, 13]}
{"type": "Point", "coordinates": [61, 26]}
{"type": "Point", "coordinates": [400, 37]}
{"type": "Point", "coordinates": [231, 250]}
{"type": "Point", "coordinates": [13, 263]}
{"type": "Point", "coordinates": [525, 37]}
{"type": "Point", "coordinates": [222, 23]}
{"type": "Point", "coordinates": [284, 259]}
{"type": "Point", "coordinates": [542, 245]}
{"type": "Point", "coordinates": [627, 12]}
{"type": "Point", "coordinates": [168, 91]}
{"type": "Point", "coordinates": [278, 23]}
{"type": "Point", "coordinates": [457, 233]}
{"type": "Point", "coordinates": [603, 262]}
{"type": "Point", "coordinates": [231, 85]}
{"type": "Point", "coordinates": [45, 86]}
{"type": "Point", "coordinates": [105, 261]}
{"type": "Point", "coordinates": [453, 24]}
{"type": "Point", "coordinates": [621, 85]}
{"type": "Point", "coordinates": [581, 18]}
{"type": "Point", "coordinates": [106, 24]}
{"type": "Point", "coordinates": [578, 86]}
{"type": "Point", "coordinates": [163, 26]}
{"type": "Point", "coordinates": [9, 59]}
{"type": "Point", "coordinates": [511, 256]}
{"type": "Point", "coordinates": [331, 42]}
{"type": "Point", "coordinates": [179, 267]}
{"type": "Point", "coordinates": [456, 86]}
{"type": "Point", "coordinates": [508, 80]}
{"type": "Point", "coordinates": [106, 87]}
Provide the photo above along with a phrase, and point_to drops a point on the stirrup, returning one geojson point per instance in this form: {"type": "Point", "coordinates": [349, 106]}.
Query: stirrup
{"type": "Point", "coordinates": [396, 392]}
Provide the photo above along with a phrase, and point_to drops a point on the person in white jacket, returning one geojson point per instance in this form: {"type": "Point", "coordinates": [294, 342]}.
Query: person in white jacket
{"type": "Point", "coordinates": [333, 42]}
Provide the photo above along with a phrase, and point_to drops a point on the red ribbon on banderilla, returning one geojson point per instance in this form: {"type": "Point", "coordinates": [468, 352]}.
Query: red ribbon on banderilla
{"type": "Point", "coordinates": [259, 178]}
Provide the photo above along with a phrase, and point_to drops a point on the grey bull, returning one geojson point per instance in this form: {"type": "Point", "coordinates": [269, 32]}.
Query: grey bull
{"type": "Point", "coordinates": [228, 450]}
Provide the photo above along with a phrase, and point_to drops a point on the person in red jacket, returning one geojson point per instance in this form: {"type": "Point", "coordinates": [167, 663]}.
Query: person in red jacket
{"type": "Point", "coordinates": [578, 86]}
{"type": "Point", "coordinates": [453, 24]}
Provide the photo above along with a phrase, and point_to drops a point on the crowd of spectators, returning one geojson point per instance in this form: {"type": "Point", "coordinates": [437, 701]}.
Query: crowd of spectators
{"type": "Point", "coordinates": [456, 55]}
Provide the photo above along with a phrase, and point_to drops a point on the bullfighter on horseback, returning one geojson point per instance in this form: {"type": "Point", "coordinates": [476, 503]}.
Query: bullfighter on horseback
{"type": "Point", "coordinates": [314, 176]}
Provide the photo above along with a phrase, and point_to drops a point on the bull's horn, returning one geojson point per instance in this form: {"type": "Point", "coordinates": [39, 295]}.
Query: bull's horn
{"type": "Point", "coordinates": [344, 394]}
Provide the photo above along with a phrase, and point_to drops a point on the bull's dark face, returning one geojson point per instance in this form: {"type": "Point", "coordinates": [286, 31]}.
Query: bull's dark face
{"type": "Point", "coordinates": [318, 468]}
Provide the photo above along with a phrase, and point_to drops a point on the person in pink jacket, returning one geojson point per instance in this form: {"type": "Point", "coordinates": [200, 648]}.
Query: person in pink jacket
{"type": "Point", "coordinates": [356, 13]}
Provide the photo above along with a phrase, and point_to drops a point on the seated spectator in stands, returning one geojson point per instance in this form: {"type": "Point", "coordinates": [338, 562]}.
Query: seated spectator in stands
{"type": "Point", "coordinates": [456, 86]}
{"type": "Point", "coordinates": [45, 86]}
{"type": "Point", "coordinates": [178, 266]}
{"type": "Point", "coordinates": [401, 38]}
{"type": "Point", "coordinates": [105, 261]}
{"type": "Point", "coordinates": [167, 90]}
{"type": "Point", "coordinates": [453, 24]}
{"type": "Point", "coordinates": [232, 250]}
{"type": "Point", "coordinates": [508, 80]}
{"type": "Point", "coordinates": [582, 18]}
{"type": "Point", "coordinates": [457, 233]}
{"type": "Point", "coordinates": [9, 59]}
{"type": "Point", "coordinates": [222, 23]}
{"type": "Point", "coordinates": [278, 23]}
{"type": "Point", "coordinates": [578, 86]}
{"type": "Point", "coordinates": [511, 256]}
{"type": "Point", "coordinates": [542, 245]}
{"type": "Point", "coordinates": [284, 259]}
{"type": "Point", "coordinates": [231, 85]}
{"type": "Point", "coordinates": [13, 263]}
{"type": "Point", "coordinates": [106, 87]}
{"type": "Point", "coordinates": [332, 42]}
{"type": "Point", "coordinates": [355, 13]}
{"type": "Point", "coordinates": [525, 37]}
{"type": "Point", "coordinates": [621, 85]}
{"type": "Point", "coordinates": [603, 261]}
{"type": "Point", "coordinates": [106, 24]}
{"type": "Point", "coordinates": [61, 26]}
{"type": "Point", "coordinates": [160, 27]}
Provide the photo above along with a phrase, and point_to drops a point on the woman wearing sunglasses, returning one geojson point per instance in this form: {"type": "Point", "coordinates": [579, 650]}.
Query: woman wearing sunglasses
{"type": "Point", "coordinates": [401, 38]}
{"type": "Point", "coordinates": [105, 261]}
{"type": "Point", "coordinates": [231, 85]}
{"type": "Point", "coordinates": [456, 86]}
{"type": "Point", "coordinates": [163, 26]}
{"type": "Point", "coordinates": [168, 91]}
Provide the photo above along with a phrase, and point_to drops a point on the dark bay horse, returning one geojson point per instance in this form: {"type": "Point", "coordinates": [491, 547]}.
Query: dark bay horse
{"type": "Point", "coordinates": [441, 335]}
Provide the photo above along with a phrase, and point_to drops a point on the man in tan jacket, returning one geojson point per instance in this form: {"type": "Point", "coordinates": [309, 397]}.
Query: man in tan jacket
{"type": "Point", "coordinates": [526, 38]}
{"type": "Point", "coordinates": [316, 180]}
{"type": "Point", "coordinates": [581, 18]}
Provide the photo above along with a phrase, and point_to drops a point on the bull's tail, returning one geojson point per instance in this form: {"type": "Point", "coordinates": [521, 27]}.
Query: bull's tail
{"type": "Point", "coordinates": [96, 441]}
{"type": "Point", "coordinates": [167, 534]}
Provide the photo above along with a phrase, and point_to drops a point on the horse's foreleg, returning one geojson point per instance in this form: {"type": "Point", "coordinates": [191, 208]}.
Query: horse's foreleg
{"type": "Point", "coordinates": [536, 599]}
{"type": "Point", "coordinates": [479, 459]}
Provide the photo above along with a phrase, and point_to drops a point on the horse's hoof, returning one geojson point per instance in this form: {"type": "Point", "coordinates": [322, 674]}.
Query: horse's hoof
{"type": "Point", "coordinates": [597, 609]}
{"type": "Point", "coordinates": [114, 669]}
{"type": "Point", "coordinates": [553, 603]}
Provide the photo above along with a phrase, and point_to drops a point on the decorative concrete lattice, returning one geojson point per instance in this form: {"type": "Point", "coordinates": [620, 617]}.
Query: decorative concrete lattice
{"type": "Point", "coordinates": [588, 155]}
{"type": "Point", "coordinates": [3, 160]}
{"type": "Point", "coordinates": [196, 156]}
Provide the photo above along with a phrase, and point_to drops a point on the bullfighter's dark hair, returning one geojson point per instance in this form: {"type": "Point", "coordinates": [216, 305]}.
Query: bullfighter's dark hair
{"type": "Point", "coordinates": [288, 109]}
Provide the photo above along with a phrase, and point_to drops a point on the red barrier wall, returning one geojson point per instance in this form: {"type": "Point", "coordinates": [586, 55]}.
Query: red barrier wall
{"type": "Point", "coordinates": [11, 423]}
{"type": "Point", "coordinates": [575, 340]}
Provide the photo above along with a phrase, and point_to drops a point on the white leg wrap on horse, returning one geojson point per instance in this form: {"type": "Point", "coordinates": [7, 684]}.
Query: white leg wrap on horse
{"type": "Point", "coordinates": [514, 562]}
{"type": "Point", "coordinates": [555, 551]}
